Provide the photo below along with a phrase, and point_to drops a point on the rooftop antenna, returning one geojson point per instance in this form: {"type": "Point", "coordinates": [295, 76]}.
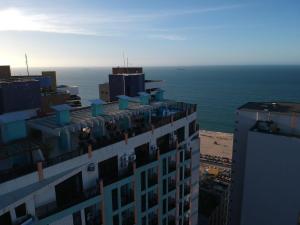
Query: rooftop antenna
{"type": "Point", "coordinates": [124, 58]}
{"type": "Point", "coordinates": [26, 60]}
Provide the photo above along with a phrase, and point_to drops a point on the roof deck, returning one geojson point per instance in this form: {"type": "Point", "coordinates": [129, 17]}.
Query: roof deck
{"type": "Point", "coordinates": [45, 135]}
{"type": "Point", "coordinates": [280, 107]}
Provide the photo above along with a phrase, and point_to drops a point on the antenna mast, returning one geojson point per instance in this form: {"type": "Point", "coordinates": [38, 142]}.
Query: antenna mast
{"type": "Point", "coordinates": [26, 60]}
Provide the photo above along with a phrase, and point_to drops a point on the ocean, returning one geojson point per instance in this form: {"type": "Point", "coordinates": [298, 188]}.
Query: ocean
{"type": "Point", "coordinates": [217, 90]}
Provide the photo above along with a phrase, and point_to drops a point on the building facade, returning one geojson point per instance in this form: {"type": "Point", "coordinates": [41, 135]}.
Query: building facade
{"type": "Point", "coordinates": [123, 163]}
{"type": "Point", "coordinates": [264, 167]}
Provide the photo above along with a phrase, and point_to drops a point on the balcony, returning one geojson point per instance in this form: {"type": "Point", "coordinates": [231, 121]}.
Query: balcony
{"type": "Point", "coordinates": [146, 159]}
{"type": "Point", "coordinates": [52, 208]}
{"type": "Point", "coordinates": [172, 185]}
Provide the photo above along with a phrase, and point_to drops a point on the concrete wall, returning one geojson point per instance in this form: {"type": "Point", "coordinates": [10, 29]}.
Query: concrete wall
{"type": "Point", "coordinates": [271, 184]}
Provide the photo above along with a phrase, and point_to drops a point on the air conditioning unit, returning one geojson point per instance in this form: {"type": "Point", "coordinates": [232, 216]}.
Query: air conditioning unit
{"type": "Point", "coordinates": [153, 147]}
{"type": "Point", "coordinates": [132, 157]}
{"type": "Point", "coordinates": [123, 161]}
{"type": "Point", "coordinates": [91, 167]}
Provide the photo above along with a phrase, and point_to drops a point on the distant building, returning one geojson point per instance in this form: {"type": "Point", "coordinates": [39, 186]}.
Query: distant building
{"type": "Point", "coordinates": [104, 92]}
{"type": "Point", "coordinates": [127, 81]}
{"type": "Point", "coordinates": [265, 169]}
{"type": "Point", "coordinates": [19, 94]}
{"type": "Point", "coordinates": [5, 72]}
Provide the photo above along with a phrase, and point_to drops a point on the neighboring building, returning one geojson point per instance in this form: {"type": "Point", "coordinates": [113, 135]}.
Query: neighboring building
{"type": "Point", "coordinates": [19, 94]}
{"type": "Point", "coordinates": [5, 72]}
{"type": "Point", "coordinates": [104, 92]}
{"type": "Point", "coordinates": [129, 162]}
{"type": "Point", "coordinates": [265, 169]}
{"type": "Point", "coordinates": [127, 81]}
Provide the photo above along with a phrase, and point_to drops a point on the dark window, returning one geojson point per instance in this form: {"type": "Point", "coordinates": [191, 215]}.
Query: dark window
{"type": "Point", "coordinates": [180, 191]}
{"type": "Point", "coordinates": [108, 170]}
{"type": "Point", "coordinates": [164, 206]}
{"type": "Point", "coordinates": [181, 173]}
{"type": "Point", "coordinates": [69, 191]}
{"type": "Point", "coordinates": [152, 177]}
{"type": "Point", "coordinates": [164, 166]}
{"type": "Point", "coordinates": [164, 186]}
{"type": "Point", "coordinates": [77, 218]}
{"type": "Point", "coordinates": [92, 214]}
{"type": "Point", "coordinates": [116, 219]}
{"type": "Point", "coordinates": [143, 180]}
{"type": "Point", "coordinates": [181, 156]}
{"type": "Point", "coordinates": [180, 134]}
{"type": "Point", "coordinates": [126, 194]}
{"type": "Point", "coordinates": [165, 221]}
{"type": "Point", "coordinates": [20, 210]}
{"type": "Point", "coordinates": [5, 219]}
{"type": "Point", "coordinates": [143, 202]}
{"type": "Point", "coordinates": [142, 154]}
{"type": "Point", "coordinates": [144, 220]}
{"type": "Point", "coordinates": [180, 208]}
{"type": "Point", "coordinates": [192, 127]}
{"type": "Point", "coordinates": [114, 197]}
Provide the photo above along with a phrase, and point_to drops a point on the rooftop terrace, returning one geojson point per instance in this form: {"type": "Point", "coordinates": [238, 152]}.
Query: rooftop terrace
{"type": "Point", "coordinates": [52, 143]}
{"type": "Point", "coordinates": [280, 107]}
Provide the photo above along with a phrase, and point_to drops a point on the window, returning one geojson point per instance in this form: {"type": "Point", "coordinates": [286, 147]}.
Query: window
{"type": "Point", "coordinates": [20, 210]}
{"type": "Point", "coordinates": [5, 219]}
{"type": "Point", "coordinates": [143, 180]}
{"type": "Point", "coordinates": [181, 173]}
{"type": "Point", "coordinates": [114, 196]}
{"type": "Point", "coordinates": [77, 218]}
{"type": "Point", "coordinates": [143, 202]}
{"type": "Point", "coordinates": [116, 220]}
{"type": "Point", "coordinates": [164, 206]}
{"type": "Point", "coordinates": [181, 156]}
{"type": "Point", "coordinates": [164, 186]}
{"type": "Point", "coordinates": [144, 220]}
{"type": "Point", "coordinates": [126, 194]}
{"type": "Point", "coordinates": [164, 166]}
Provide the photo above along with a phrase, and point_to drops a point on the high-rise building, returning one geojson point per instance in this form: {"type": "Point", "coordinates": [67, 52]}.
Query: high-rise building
{"type": "Point", "coordinates": [265, 165]}
{"type": "Point", "coordinates": [135, 161]}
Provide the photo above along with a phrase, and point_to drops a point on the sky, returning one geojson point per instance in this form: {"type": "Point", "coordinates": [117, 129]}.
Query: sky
{"type": "Point", "coordinates": [149, 33]}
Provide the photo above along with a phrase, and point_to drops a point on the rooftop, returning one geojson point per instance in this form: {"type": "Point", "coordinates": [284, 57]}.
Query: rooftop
{"type": "Point", "coordinates": [280, 107]}
{"type": "Point", "coordinates": [270, 127]}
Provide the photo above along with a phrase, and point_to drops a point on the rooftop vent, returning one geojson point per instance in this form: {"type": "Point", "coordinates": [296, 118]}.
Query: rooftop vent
{"type": "Point", "coordinates": [159, 95]}
{"type": "Point", "coordinates": [62, 114]}
{"type": "Point", "coordinates": [97, 107]}
{"type": "Point", "coordinates": [123, 101]}
{"type": "Point", "coordinates": [144, 98]}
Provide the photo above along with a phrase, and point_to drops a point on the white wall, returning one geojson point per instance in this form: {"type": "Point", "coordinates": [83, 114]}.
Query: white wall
{"type": "Point", "coordinates": [271, 184]}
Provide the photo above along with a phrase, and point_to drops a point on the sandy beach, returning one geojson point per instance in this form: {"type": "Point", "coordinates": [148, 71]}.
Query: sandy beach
{"type": "Point", "coordinates": [216, 143]}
